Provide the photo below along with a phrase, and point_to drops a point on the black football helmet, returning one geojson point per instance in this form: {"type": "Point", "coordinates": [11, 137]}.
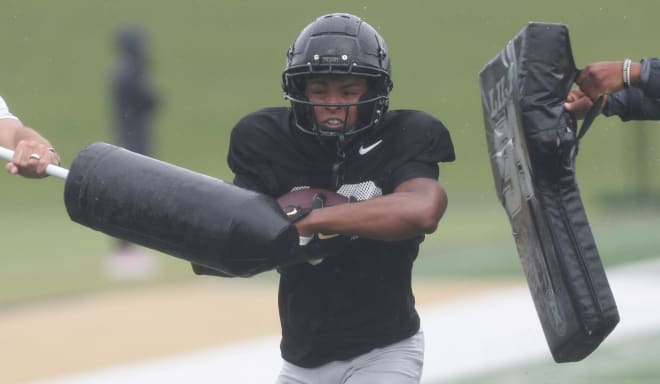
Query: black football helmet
{"type": "Point", "coordinates": [338, 44]}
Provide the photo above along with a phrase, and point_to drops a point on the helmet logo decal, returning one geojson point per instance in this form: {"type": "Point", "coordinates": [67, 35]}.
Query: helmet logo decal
{"type": "Point", "coordinates": [330, 60]}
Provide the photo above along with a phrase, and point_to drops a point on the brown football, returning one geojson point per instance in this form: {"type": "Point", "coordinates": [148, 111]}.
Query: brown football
{"type": "Point", "coordinates": [304, 198]}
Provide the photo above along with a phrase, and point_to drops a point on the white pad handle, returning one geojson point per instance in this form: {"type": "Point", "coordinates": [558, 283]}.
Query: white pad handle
{"type": "Point", "coordinates": [51, 169]}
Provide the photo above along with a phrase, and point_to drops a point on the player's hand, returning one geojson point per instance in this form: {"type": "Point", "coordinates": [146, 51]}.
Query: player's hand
{"type": "Point", "coordinates": [318, 246]}
{"type": "Point", "coordinates": [31, 159]}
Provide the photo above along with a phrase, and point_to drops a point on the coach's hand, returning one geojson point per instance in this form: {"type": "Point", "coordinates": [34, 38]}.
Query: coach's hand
{"type": "Point", "coordinates": [31, 159]}
{"type": "Point", "coordinates": [578, 104]}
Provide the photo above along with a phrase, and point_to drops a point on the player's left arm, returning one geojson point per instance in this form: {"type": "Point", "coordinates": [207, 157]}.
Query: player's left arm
{"type": "Point", "coordinates": [414, 208]}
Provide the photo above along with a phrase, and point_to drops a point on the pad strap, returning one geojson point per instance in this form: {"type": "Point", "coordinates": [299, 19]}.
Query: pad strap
{"type": "Point", "coordinates": [591, 115]}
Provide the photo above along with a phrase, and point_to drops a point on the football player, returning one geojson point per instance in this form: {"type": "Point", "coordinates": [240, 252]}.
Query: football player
{"type": "Point", "coordinates": [348, 315]}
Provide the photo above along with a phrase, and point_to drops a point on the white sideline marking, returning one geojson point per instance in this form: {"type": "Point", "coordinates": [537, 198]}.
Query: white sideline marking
{"type": "Point", "coordinates": [475, 335]}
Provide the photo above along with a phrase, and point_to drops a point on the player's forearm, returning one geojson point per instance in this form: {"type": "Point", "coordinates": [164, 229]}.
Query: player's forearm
{"type": "Point", "coordinates": [392, 217]}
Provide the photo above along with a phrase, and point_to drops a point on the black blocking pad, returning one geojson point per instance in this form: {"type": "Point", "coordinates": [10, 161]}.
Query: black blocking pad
{"type": "Point", "coordinates": [532, 147]}
{"type": "Point", "coordinates": [185, 214]}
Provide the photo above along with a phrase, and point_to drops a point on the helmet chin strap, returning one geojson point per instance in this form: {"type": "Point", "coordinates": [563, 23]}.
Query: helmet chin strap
{"type": "Point", "coordinates": [337, 166]}
{"type": "Point", "coordinates": [341, 142]}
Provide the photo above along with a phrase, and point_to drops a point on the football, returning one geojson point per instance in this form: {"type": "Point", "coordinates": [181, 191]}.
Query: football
{"type": "Point", "coordinates": [304, 198]}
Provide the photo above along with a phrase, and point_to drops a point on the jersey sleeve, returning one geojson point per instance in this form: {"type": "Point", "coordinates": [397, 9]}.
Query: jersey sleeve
{"type": "Point", "coordinates": [424, 144]}
{"type": "Point", "coordinates": [415, 169]}
{"type": "Point", "coordinates": [247, 157]}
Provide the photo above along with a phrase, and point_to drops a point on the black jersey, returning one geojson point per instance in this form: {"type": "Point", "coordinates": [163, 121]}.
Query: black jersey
{"type": "Point", "coordinates": [361, 298]}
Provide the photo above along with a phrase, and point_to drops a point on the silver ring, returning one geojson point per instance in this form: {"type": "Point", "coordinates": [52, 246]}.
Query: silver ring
{"type": "Point", "coordinates": [35, 156]}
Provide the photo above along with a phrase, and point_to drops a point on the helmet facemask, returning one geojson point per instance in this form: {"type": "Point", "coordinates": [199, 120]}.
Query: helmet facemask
{"type": "Point", "coordinates": [370, 110]}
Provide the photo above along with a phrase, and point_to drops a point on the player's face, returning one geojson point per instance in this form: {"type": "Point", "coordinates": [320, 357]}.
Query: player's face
{"type": "Point", "coordinates": [335, 91]}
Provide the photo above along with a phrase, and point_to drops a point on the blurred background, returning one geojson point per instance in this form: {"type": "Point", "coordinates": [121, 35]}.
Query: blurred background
{"type": "Point", "coordinates": [215, 61]}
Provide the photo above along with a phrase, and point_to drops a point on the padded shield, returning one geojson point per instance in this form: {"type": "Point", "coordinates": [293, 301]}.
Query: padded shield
{"type": "Point", "coordinates": [195, 217]}
{"type": "Point", "coordinates": [532, 147]}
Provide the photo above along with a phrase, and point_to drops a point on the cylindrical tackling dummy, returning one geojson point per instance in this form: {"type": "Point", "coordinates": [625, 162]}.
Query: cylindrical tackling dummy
{"type": "Point", "coordinates": [177, 211]}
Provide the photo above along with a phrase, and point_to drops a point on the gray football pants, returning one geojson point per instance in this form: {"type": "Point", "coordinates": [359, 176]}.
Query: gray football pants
{"type": "Point", "coordinates": [398, 363]}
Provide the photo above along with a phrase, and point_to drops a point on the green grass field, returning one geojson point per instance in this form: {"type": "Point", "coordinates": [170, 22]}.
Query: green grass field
{"type": "Point", "coordinates": [216, 61]}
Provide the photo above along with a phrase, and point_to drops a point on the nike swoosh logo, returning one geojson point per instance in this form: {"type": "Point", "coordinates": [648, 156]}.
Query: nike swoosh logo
{"type": "Point", "coordinates": [364, 150]}
{"type": "Point", "coordinates": [292, 212]}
